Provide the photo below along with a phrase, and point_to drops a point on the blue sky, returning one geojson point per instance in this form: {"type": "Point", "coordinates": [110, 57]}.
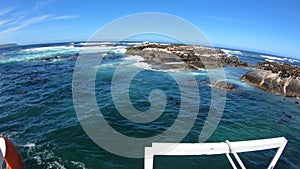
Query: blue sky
{"type": "Point", "coordinates": [271, 26]}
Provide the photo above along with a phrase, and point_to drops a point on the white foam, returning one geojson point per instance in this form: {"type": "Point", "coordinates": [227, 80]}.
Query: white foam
{"type": "Point", "coordinates": [102, 49]}
{"type": "Point", "coordinates": [236, 52]}
{"type": "Point", "coordinates": [120, 50]}
{"type": "Point", "coordinates": [39, 53]}
{"type": "Point", "coordinates": [137, 61]}
{"type": "Point", "coordinates": [78, 164]}
{"type": "Point", "coordinates": [174, 63]}
{"type": "Point", "coordinates": [157, 50]}
{"type": "Point", "coordinates": [28, 57]}
{"type": "Point", "coordinates": [132, 43]}
{"type": "Point", "coordinates": [29, 145]}
{"type": "Point", "coordinates": [170, 70]}
{"type": "Point", "coordinates": [293, 60]}
{"type": "Point", "coordinates": [231, 51]}
{"type": "Point", "coordinates": [97, 43]}
{"type": "Point", "coordinates": [40, 49]}
{"type": "Point", "coordinates": [143, 65]}
{"type": "Point", "coordinates": [41, 157]}
{"type": "Point", "coordinates": [38, 160]}
{"type": "Point", "coordinates": [135, 58]}
{"type": "Point", "coordinates": [273, 57]}
{"type": "Point", "coordinates": [269, 60]}
{"type": "Point", "coordinates": [56, 164]}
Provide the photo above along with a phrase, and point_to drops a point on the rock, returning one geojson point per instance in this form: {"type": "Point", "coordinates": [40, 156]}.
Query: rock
{"type": "Point", "coordinates": [273, 82]}
{"type": "Point", "coordinates": [293, 88]}
{"type": "Point", "coordinates": [223, 85]}
{"type": "Point", "coordinates": [284, 70]}
{"type": "Point", "coordinates": [193, 57]}
{"type": "Point", "coordinates": [278, 78]}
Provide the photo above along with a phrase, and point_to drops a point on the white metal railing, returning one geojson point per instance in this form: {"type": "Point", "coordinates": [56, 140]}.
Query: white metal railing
{"type": "Point", "coordinates": [181, 149]}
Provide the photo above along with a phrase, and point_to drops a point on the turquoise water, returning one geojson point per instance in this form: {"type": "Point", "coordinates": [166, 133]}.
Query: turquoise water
{"type": "Point", "coordinates": [38, 115]}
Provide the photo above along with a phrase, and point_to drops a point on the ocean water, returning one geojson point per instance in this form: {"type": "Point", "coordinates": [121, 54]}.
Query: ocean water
{"type": "Point", "coordinates": [37, 112]}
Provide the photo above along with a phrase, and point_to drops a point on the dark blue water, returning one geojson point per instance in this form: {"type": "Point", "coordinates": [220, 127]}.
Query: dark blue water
{"type": "Point", "coordinates": [38, 115]}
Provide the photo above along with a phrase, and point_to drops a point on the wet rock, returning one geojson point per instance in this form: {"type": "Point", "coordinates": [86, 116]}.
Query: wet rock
{"type": "Point", "coordinates": [273, 82]}
{"type": "Point", "coordinates": [284, 70]}
{"type": "Point", "coordinates": [181, 56]}
{"type": "Point", "coordinates": [293, 87]}
{"type": "Point", "coordinates": [278, 78]}
{"type": "Point", "coordinates": [223, 85]}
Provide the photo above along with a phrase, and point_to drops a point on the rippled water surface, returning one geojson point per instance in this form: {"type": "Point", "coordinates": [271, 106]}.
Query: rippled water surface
{"type": "Point", "coordinates": [38, 115]}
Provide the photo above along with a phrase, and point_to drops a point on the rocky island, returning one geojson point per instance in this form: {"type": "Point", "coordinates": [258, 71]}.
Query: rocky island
{"type": "Point", "coordinates": [278, 78]}
{"type": "Point", "coordinates": [166, 56]}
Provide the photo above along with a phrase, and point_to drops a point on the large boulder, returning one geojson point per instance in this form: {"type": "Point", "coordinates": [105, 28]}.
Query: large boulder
{"type": "Point", "coordinates": [293, 88]}
{"type": "Point", "coordinates": [273, 82]}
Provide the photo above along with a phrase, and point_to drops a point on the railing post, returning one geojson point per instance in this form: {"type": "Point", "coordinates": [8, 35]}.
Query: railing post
{"type": "Point", "coordinates": [277, 155]}
{"type": "Point", "coordinates": [148, 159]}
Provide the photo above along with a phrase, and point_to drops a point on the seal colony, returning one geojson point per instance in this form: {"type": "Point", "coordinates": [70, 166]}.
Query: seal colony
{"type": "Point", "coordinates": [161, 56]}
{"type": "Point", "coordinates": [278, 78]}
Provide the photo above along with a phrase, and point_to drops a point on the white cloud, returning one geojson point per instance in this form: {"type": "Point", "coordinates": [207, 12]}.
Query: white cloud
{"type": "Point", "coordinates": [13, 25]}
{"type": "Point", "coordinates": [13, 28]}
{"type": "Point", "coordinates": [18, 26]}
{"type": "Point", "coordinates": [15, 20]}
{"type": "Point", "coordinates": [39, 4]}
{"type": "Point", "coordinates": [4, 22]}
{"type": "Point", "coordinates": [65, 17]}
{"type": "Point", "coordinates": [6, 10]}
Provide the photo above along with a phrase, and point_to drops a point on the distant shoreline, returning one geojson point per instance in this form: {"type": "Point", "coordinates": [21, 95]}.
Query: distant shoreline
{"type": "Point", "coordinates": [8, 45]}
{"type": "Point", "coordinates": [213, 46]}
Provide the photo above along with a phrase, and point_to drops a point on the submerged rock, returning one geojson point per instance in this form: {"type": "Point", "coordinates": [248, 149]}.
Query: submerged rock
{"type": "Point", "coordinates": [223, 85]}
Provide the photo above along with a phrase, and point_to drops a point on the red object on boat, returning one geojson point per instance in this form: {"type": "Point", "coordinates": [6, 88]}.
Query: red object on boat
{"type": "Point", "coordinates": [12, 157]}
